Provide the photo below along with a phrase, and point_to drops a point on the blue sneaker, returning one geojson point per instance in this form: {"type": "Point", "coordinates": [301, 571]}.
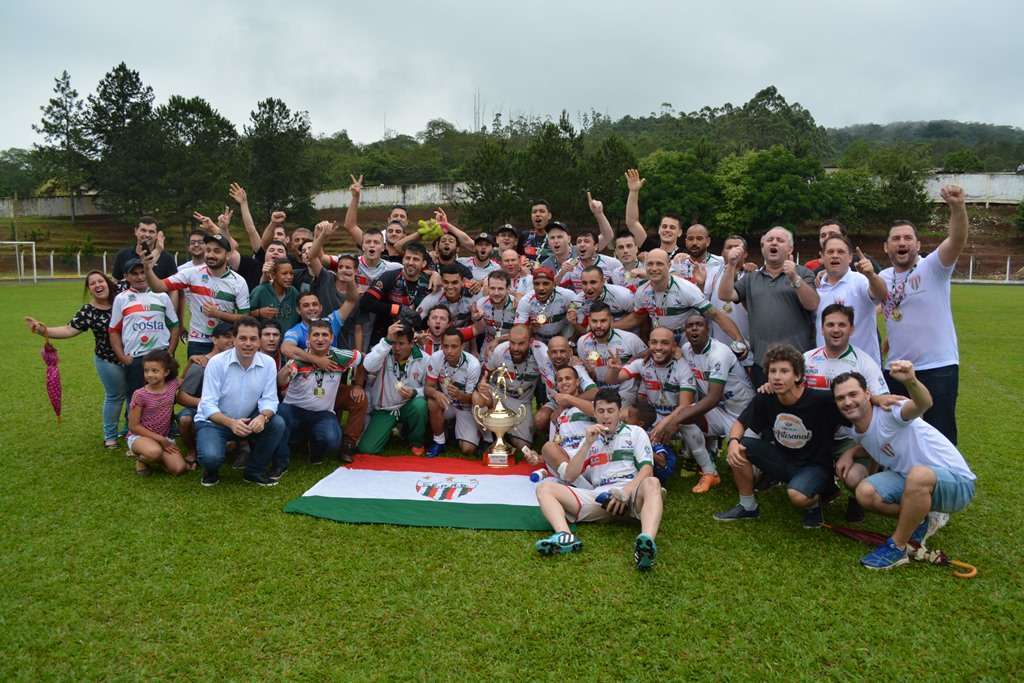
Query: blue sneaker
{"type": "Point", "coordinates": [885, 556]}
{"type": "Point", "coordinates": [645, 552]}
{"type": "Point", "coordinates": [813, 517]}
{"type": "Point", "coordinates": [559, 543]}
{"type": "Point", "coordinates": [435, 449]}
{"type": "Point", "coordinates": [932, 523]}
{"type": "Point", "coordinates": [737, 512]}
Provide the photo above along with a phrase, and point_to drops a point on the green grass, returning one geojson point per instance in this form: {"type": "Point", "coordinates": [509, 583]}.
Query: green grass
{"type": "Point", "coordinates": [106, 576]}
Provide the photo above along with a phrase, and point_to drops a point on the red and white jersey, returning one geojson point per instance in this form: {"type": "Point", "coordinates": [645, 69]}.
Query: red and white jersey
{"type": "Point", "coordinates": [661, 384]}
{"type": "Point", "coordinates": [227, 292]}
{"type": "Point", "coordinates": [366, 274]}
{"type": "Point", "coordinates": [619, 299]}
{"type": "Point", "coordinates": [574, 278]}
{"type": "Point", "coordinates": [480, 272]}
{"type": "Point", "coordinates": [820, 369]}
{"type": "Point", "coordinates": [144, 321]}
{"type": "Point", "coordinates": [530, 308]}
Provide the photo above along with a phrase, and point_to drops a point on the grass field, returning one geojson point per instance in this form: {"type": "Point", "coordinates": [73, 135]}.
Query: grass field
{"type": "Point", "coordinates": [105, 575]}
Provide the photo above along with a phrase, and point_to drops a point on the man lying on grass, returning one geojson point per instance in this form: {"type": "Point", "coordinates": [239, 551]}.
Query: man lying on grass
{"type": "Point", "coordinates": [925, 478]}
{"type": "Point", "coordinates": [617, 460]}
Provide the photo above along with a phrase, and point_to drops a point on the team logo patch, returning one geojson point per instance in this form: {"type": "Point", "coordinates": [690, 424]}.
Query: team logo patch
{"type": "Point", "coordinates": [790, 431]}
{"type": "Point", "coordinates": [444, 488]}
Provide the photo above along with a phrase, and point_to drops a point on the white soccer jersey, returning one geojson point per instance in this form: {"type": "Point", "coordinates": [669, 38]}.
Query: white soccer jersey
{"type": "Point", "coordinates": [619, 299]}
{"type": "Point", "coordinates": [570, 429]}
{"type": "Point", "coordinates": [552, 312]}
{"type": "Point", "coordinates": [622, 343]}
{"type": "Point", "coordinates": [820, 370]}
{"type": "Point", "coordinates": [480, 273]}
{"type": "Point", "coordinates": [522, 377]}
{"type": "Point", "coordinates": [624, 277]}
{"type": "Point", "coordinates": [461, 309]}
{"type": "Point", "coordinates": [670, 308]}
{"type": "Point", "coordinates": [618, 457]}
{"type": "Point", "coordinates": [717, 364]}
{"type": "Point", "coordinates": [852, 290]}
{"type": "Point", "coordinates": [497, 319]}
{"type": "Point", "coordinates": [228, 292]}
{"type": "Point", "coordinates": [662, 384]}
{"type": "Point", "coordinates": [464, 376]}
{"type": "Point", "coordinates": [144, 321]}
{"type": "Point", "coordinates": [314, 389]}
{"type": "Point", "coordinates": [366, 274]}
{"type": "Point", "coordinates": [574, 278]}
{"type": "Point", "coordinates": [522, 285]}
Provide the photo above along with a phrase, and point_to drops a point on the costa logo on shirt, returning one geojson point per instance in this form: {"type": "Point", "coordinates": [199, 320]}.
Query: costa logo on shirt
{"type": "Point", "coordinates": [790, 431]}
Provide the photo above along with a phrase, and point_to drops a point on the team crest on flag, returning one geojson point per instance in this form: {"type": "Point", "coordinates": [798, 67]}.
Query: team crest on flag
{"type": "Point", "coordinates": [446, 488]}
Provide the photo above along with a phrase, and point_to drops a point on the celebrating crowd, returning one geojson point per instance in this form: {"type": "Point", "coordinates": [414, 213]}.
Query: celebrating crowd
{"type": "Point", "coordinates": [627, 367]}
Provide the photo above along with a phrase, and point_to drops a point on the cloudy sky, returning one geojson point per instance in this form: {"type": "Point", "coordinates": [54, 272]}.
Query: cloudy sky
{"type": "Point", "coordinates": [398, 64]}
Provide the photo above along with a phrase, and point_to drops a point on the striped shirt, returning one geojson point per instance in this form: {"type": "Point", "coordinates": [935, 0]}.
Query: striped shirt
{"type": "Point", "coordinates": [227, 292]}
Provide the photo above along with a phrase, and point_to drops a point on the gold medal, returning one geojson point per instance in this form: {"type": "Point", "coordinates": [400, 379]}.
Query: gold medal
{"type": "Point", "coordinates": [897, 314]}
{"type": "Point", "coordinates": [593, 356]}
{"type": "Point", "coordinates": [558, 438]}
{"type": "Point", "coordinates": [319, 391]}
{"type": "Point", "coordinates": [541, 319]}
{"type": "Point", "coordinates": [727, 307]}
{"type": "Point", "coordinates": [399, 385]}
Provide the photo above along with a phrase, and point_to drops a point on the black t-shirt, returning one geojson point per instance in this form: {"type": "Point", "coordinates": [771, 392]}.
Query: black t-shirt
{"type": "Point", "coordinates": [251, 269]}
{"type": "Point", "coordinates": [165, 265]}
{"type": "Point", "coordinates": [804, 430]}
{"type": "Point", "coordinates": [653, 241]}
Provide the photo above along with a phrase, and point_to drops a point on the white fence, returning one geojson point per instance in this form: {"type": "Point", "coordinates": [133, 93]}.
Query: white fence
{"type": "Point", "coordinates": [981, 188]}
{"type": "Point", "coordinates": [429, 194]}
{"type": "Point", "coordinates": [49, 207]}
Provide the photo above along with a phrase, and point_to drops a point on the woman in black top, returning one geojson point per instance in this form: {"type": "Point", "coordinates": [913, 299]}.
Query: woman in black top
{"type": "Point", "coordinates": [95, 316]}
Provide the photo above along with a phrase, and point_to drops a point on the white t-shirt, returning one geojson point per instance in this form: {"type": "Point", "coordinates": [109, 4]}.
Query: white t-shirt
{"type": "Point", "coordinates": [618, 457]}
{"type": "Point", "coordinates": [853, 290]}
{"type": "Point", "coordinates": [924, 334]}
{"type": "Point", "coordinates": [717, 364]}
{"type": "Point", "coordinates": [464, 376]}
{"type": "Point", "coordinates": [900, 445]}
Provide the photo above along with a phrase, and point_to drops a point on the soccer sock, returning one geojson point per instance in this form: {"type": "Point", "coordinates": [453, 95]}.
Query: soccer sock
{"type": "Point", "coordinates": [439, 438]}
{"type": "Point", "coordinates": [748, 502]}
{"type": "Point", "coordinates": [561, 470]}
{"type": "Point", "coordinates": [694, 440]}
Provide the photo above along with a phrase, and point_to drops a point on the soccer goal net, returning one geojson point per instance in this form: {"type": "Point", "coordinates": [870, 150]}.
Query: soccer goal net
{"type": "Point", "coordinates": [18, 261]}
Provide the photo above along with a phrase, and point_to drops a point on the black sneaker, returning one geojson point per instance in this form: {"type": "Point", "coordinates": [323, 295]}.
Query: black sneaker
{"type": "Point", "coordinates": [346, 451]}
{"type": "Point", "coordinates": [854, 512]}
{"type": "Point", "coordinates": [737, 512]}
{"type": "Point", "coordinates": [210, 478]}
{"type": "Point", "coordinates": [813, 517]}
{"type": "Point", "coordinates": [277, 472]}
{"type": "Point", "coordinates": [259, 480]}
{"type": "Point", "coordinates": [316, 459]}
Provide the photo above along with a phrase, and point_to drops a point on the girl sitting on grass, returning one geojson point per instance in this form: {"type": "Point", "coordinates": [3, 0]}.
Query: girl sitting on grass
{"type": "Point", "coordinates": [150, 413]}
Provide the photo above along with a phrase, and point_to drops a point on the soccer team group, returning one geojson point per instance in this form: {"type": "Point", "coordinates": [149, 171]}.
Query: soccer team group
{"type": "Point", "coordinates": [617, 362]}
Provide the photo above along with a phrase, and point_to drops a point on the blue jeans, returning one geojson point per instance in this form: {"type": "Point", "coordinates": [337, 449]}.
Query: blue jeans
{"type": "Point", "coordinates": [114, 389]}
{"type": "Point", "coordinates": [944, 385]}
{"type": "Point", "coordinates": [808, 478]}
{"type": "Point", "coordinates": [212, 439]}
{"type": "Point", "coordinates": [321, 426]}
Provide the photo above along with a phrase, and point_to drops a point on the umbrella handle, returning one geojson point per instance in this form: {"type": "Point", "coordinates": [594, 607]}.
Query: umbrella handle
{"type": "Point", "coordinates": [969, 570]}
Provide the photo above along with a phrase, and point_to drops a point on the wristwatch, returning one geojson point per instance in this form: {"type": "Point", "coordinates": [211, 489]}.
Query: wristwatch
{"type": "Point", "coordinates": [798, 283]}
{"type": "Point", "coordinates": [738, 347]}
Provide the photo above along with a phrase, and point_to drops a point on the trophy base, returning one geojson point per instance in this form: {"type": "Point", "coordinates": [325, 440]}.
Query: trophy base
{"type": "Point", "coordinates": [498, 459]}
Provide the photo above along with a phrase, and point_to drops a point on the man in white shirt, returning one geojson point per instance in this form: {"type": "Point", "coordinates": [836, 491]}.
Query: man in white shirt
{"type": "Point", "coordinates": [926, 477]}
{"type": "Point", "coordinates": [239, 401]}
{"type": "Point", "coordinates": [918, 314]}
{"type": "Point", "coordinates": [860, 291]}
{"type": "Point", "coordinates": [452, 376]}
{"type": "Point", "coordinates": [618, 461]}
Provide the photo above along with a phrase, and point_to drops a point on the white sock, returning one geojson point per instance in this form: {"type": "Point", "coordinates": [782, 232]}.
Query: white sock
{"type": "Point", "coordinates": [561, 470]}
{"type": "Point", "coordinates": [748, 502]}
{"type": "Point", "coordinates": [439, 438]}
{"type": "Point", "coordinates": [694, 440]}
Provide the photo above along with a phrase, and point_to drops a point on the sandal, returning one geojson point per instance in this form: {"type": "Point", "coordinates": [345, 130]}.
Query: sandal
{"type": "Point", "coordinates": [191, 464]}
{"type": "Point", "coordinates": [142, 470]}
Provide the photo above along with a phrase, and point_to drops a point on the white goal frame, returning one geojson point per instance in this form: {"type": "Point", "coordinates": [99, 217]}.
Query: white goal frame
{"type": "Point", "coordinates": [19, 263]}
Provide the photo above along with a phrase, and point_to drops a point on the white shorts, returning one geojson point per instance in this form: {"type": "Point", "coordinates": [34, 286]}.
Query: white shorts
{"type": "Point", "coordinates": [465, 426]}
{"type": "Point", "coordinates": [720, 421]}
{"type": "Point", "coordinates": [591, 511]}
{"type": "Point", "coordinates": [130, 439]}
{"type": "Point", "coordinates": [581, 481]}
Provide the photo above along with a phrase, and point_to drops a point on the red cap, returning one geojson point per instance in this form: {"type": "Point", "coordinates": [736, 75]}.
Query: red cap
{"type": "Point", "coordinates": [544, 271]}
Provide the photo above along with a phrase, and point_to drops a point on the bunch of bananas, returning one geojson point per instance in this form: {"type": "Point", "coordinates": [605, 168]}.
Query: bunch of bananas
{"type": "Point", "coordinates": [429, 230]}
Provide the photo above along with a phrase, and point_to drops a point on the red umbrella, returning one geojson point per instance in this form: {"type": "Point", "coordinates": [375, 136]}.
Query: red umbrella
{"type": "Point", "coordinates": [53, 389]}
{"type": "Point", "coordinates": [917, 552]}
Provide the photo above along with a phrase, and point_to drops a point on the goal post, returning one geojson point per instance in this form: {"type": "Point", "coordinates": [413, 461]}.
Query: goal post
{"type": "Point", "coordinates": [19, 269]}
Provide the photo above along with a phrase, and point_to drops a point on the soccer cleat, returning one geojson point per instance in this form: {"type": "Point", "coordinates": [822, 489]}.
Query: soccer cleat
{"type": "Point", "coordinates": [417, 450]}
{"type": "Point", "coordinates": [559, 543]}
{"type": "Point", "coordinates": [885, 556]}
{"type": "Point", "coordinates": [259, 480]}
{"type": "Point", "coordinates": [210, 478]}
{"type": "Point", "coordinates": [435, 450]}
{"type": "Point", "coordinates": [346, 451]}
{"type": "Point", "coordinates": [813, 517]}
{"type": "Point", "coordinates": [707, 482]}
{"type": "Point", "coordinates": [737, 512]}
{"type": "Point", "coordinates": [644, 552]}
{"type": "Point", "coordinates": [932, 523]}
{"type": "Point", "coordinates": [854, 511]}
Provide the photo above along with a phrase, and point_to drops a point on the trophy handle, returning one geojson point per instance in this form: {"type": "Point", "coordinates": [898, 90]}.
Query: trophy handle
{"type": "Point", "coordinates": [477, 410]}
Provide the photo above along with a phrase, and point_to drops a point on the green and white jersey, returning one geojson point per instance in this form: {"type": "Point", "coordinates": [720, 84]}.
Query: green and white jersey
{"type": "Point", "coordinates": [144, 320]}
{"type": "Point", "coordinates": [670, 308]}
{"type": "Point", "coordinates": [574, 278]}
{"type": "Point", "coordinates": [314, 389]}
{"type": "Point", "coordinates": [622, 343]}
{"type": "Point", "coordinates": [618, 457]}
{"type": "Point", "coordinates": [530, 309]}
{"type": "Point", "coordinates": [619, 300]}
{"type": "Point", "coordinates": [570, 429]}
{"type": "Point", "coordinates": [661, 384]}
{"type": "Point", "coordinates": [464, 376]}
{"type": "Point", "coordinates": [228, 292]}
{"type": "Point", "coordinates": [717, 364]}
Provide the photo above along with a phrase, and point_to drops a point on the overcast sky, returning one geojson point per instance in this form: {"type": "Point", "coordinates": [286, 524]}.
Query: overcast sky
{"type": "Point", "coordinates": [399, 64]}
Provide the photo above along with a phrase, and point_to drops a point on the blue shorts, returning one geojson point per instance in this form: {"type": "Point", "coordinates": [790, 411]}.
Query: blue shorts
{"type": "Point", "coordinates": [187, 412]}
{"type": "Point", "coordinates": [952, 491]}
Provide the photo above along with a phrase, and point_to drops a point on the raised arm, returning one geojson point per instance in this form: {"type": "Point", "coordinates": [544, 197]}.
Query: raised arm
{"type": "Point", "coordinates": [603, 226]}
{"type": "Point", "coordinates": [953, 245]}
{"type": "Point", "coordinates": [464, 240]}
{"type": "Point", "coordinates": [242, 199]}
{"type": "Point", "coordinates": [277, 219]}
{"type": "Point", "coordinates": [322, 231]}
{"type": "Point", "coordinates": [634, 182]}
{"type": "Point", "coordinates": [352, 211]}
{"type": "Point", "coordinates": [920, 398]}
{"type": "Point", "coordinates": [876, 285]}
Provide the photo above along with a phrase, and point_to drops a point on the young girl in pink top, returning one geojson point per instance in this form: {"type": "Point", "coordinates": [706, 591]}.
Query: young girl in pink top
{"type": "Point", "coordinates": [150, 415]}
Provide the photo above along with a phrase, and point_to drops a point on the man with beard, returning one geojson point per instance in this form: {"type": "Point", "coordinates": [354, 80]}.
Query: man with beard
{"type": "Point", "coordinates": [527, 363]}
{"type": "Point", "coordinates": [310, 401]}
{"type": "Point", "coordinates": [148, 238]}
{"type": "Point", "coordinates": [453, 295]}
{"type": "Point", "coordinates": [213, 292]}
{"type": "Point", "coordinates": [446, 247]}
{"type": "Point", "coordinates": [397, 293]}
{"type": "Point", "coordinates": [666, 300]}
{"type": "Point", "coordinates": [630, 273]}
{"type": "Point", "coordinates": [919, 318]}
{"type": "Point", "coordinates": [860, 291]}
{"type": "Point", "coordinates": [481, 264]}
{"type": "Point", "coordinates": [535, 246]}
{"type": "Point", "coordinates": [697, 264]}
{"type": "Point", "coordinates": [397, 370]}
{"type": "Point", "coordinates": [723, 388]}
{"type": "Point", "coordinates": [594, 289]}
{"type": "Point", "coordinates": [521, 281]}
{"type": "Point", "coordinates": [926, 477]}
{"type": "Point", "coordinates": [670, 226]}
{"type": "Point", "coordinates": [779, 297]}
{"type": "Point", "coordinates": [567, 432]}
{"type": "Point", "coordinates": [604, 350]}
{"type": "Point", "coordinates": [495, 314]}
{"type": "Point", "coordinates": [617, 460]}
{"type": "Point", "coordinates": [561, 357]}
{"type": "Point", "coordinates": [571, 272]}
{"type": "Point", "coordinates": [196, 250]}
{"type": "Point", "coordinates": [545, 309]}
{"type": "Point", "coordinates": [452, 377]}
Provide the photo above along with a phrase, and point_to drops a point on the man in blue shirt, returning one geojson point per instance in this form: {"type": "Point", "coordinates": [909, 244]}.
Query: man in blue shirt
{"type": "Point", "coordinates": [239, 401]}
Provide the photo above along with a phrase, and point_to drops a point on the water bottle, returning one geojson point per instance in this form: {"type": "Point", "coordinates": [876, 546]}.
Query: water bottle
{"type": "Point", "coordinates": [537, 475]}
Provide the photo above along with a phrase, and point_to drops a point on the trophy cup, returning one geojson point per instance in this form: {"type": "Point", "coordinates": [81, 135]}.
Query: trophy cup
{"type": "Point", "coordinates": [499, 420]}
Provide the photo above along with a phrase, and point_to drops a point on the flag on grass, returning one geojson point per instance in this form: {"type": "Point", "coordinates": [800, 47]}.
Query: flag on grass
{"type": "Point", "coordinates": [416, 491]}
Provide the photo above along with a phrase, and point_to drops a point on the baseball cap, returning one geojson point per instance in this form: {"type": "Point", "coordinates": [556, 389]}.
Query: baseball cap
{"type": "Point", "coordinates": [543, 271]}
{"type": "Point", "coordinates": [484, 237]}
{"type": "Point", "coordinates": [131, 263]}
{"type": "Point", "coordinates": [557, 225]}
{"type": "Point", "coordinates": [220, 240]}
{"type": "Point", "coordinates": [508, 227]}
{"type": "Point", "coordinates": [223, 329]}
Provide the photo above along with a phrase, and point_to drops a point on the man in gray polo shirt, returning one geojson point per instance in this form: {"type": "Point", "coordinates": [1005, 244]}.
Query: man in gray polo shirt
{"type": "Point", "coordinates": [779, 297]}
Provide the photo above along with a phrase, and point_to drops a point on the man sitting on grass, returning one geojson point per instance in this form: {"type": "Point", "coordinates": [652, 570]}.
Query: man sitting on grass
{"type": "Point", "coordinates": [617, 459]}
{"type": "Point", "coordinates": [796, 425]}
{"type": "Point", "coordinates": [568, 429]}
{"type": "Point", "coordinates": [926, 477]}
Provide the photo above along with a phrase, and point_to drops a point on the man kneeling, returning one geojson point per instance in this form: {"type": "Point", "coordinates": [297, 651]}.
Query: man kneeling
{"type": "Point", "coordinates": [617, 459]}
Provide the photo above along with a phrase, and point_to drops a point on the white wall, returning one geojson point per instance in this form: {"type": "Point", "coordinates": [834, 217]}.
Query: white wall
{"type": "Point", "coordinates": [981, 188]}
{"type": "Point", "coordinates": [49, 207]}
{"type": "Point", "coordinates": [431, 194]}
